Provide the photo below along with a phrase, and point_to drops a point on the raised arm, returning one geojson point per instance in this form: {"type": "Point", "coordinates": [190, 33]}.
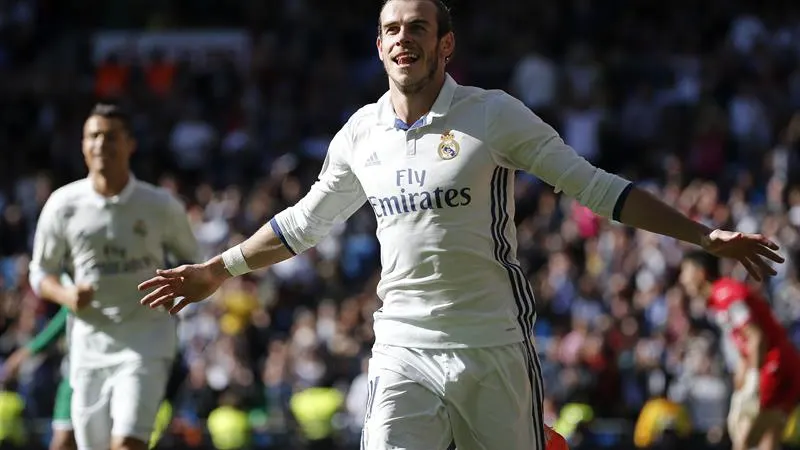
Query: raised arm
{"type": "Point", "coordinates": [521, 140]}
{"type": "Point", "coordinates": [332, 199]}
{"type": "Point", "coordinates": [335, 196]}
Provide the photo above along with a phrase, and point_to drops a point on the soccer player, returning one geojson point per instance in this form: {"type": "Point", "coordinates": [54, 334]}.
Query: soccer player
{"type": "Point", "coordinates": [766, 382]}
{"type": "Point", "coordinates": [107, 231]}
{"type": "Point", "coordinates": [63, 437]}
{"type": "Point", "coordinates": [553, 440]}
{"type": "Point", "coordinates": [453, 360]}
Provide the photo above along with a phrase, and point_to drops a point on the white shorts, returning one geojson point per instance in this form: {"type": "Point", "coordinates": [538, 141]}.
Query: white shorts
{"type": "Point", "coordinates": [471, 399]}
{"type": "Point", "coordinates": [120, 401]}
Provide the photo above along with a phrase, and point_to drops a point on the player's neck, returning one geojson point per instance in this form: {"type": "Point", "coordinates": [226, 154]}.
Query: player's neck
{"type": "Point", "coordinates": [109, 186]}
{"type": "Point", "coordinates": [409, 107]}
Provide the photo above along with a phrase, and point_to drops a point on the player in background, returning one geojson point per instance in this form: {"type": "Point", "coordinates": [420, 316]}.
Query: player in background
{"type": "Point", "coordinates": [108, 231]}
{"type": "Point", "coordinates": [553, 440]}
{"type": "Point", "coordinates": [767, 379]}
{"type": "Point", "coordinates": [453, 360]}
{"type": "Point", "coordinates": [63, 437]}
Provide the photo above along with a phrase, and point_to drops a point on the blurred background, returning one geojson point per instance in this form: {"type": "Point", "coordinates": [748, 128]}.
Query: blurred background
{"type": "Point", "coordinates": [234, 104]}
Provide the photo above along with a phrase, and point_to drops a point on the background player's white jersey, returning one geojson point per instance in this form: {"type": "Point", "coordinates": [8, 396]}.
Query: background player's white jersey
{"type": "Point", "coordinates": [113, 243]}
{"type": "Point", "coordinates": [64, 369]}
{"type": "Point", "coordinates": [443, 194]}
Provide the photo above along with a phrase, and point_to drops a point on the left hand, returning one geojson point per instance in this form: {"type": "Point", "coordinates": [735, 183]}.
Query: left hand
{"type": "Point", "coordinates": [751, 250]}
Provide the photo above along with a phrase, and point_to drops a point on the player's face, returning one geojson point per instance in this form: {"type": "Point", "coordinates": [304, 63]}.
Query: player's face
{"type": "Point", "coordinates": [691, 278]}
{"type": "Point", "coordinates": [408, 45]}
{"type": "Point", "coordinates": [107, 146]}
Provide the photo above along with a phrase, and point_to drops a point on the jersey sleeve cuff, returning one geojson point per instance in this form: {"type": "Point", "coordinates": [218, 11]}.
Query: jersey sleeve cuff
{"type": "Point", "coordinates": [277, 229]}
{"type": "Point", "coordinates": [623, 196]}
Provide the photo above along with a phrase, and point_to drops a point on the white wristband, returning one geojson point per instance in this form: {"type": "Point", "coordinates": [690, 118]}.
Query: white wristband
{"type": "Point", "coordinates": [234, 261]}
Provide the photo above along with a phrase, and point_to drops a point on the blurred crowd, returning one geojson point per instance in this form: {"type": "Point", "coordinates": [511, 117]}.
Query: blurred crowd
{"type": "Point", "coordinates": [694, 100]}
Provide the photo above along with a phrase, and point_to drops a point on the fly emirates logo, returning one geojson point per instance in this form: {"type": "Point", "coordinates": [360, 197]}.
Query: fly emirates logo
{"type": "Point", "coordinates": [413, 195]}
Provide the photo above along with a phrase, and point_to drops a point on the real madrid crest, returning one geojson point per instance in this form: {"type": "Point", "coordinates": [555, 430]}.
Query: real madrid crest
{"type": "Point", "coordinates": [448, 147]}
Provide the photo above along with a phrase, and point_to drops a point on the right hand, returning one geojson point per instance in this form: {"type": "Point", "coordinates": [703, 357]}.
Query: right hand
{"type": "Point", "coordinates": [190, 283]}
{"type": "Point", "coordinates": [80, 296]}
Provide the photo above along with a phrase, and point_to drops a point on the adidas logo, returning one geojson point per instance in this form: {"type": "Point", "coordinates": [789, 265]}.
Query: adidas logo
{"type": "Point", "coordinates": [372, 160]}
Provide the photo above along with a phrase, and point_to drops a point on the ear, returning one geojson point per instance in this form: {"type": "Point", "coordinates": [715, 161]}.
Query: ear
{"type": "Point", "coordinates": [448, 45]}
{"type": "Point", "coordinates": [379, 46]}
{"type": "Point", "coordinates": [132, 144]}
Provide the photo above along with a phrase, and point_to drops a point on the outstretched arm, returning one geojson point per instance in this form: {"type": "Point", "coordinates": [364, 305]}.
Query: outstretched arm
{"type": "Point", "coordinates": [642, 210]}
{"type": "Point", "coordinates": [521, 140]}
{"type": "Point", "coordinates": [335, 196]}
{"type": "Point", "coordinates": [263, 249]}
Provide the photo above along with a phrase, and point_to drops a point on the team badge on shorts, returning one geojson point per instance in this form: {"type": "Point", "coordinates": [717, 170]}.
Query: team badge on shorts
{"type": "Point", "coordinates": [448, 148]}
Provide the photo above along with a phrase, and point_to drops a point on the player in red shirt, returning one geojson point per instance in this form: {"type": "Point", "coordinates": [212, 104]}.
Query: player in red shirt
{"type": "Point", "coordinates": [553, 440]}
{"type": "Point", "coordinates": [767, 379]}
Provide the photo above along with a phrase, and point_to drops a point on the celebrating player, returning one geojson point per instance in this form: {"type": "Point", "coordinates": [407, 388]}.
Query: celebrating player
{"type": "Point", "coordinates": [108, 231]}
{"type": "Point", "coordinates": [766, 383]}
{"type": "Point", "coordinates": [453, 359]}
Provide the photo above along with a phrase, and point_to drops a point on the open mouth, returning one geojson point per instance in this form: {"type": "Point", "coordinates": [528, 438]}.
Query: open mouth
{"type": "Point", "coordinates": [405, 59]}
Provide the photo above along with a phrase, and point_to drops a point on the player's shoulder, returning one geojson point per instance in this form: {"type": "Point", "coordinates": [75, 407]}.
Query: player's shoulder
{"type": "Point", "coordinates": [496, 98]}
{"type": "Point", "coordinates": [490, 104]}
{"type": "Point", "coordinates": [366, 113]}
{"type": "Point", "coordinates": [155, 195]}
{"type": "Point", "coordinates": [361, 123]}
{"type": "Point", "coordinates": [69, 194]}
{"type": "Point", "coordinates": [362, 119]}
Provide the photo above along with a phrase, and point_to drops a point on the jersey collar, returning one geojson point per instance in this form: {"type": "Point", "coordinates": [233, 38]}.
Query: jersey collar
{"type": "Point", "coordinates": [441, 106]}
{"type": "Point", "coordinates": [120, 198]}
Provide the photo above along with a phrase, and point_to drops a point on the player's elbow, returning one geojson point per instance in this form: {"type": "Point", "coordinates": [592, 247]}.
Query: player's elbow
{"type": "Point", "coordinates": [300, 230]}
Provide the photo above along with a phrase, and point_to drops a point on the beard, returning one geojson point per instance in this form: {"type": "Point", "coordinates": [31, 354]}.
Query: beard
{"type": "Point", "coordinates": [410, 87]}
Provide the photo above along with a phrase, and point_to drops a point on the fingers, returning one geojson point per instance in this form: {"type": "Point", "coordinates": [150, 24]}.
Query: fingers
{"type": "Point", "coordinates": [165, 300]}
{"type": "Point", "coordinates": [159, 281]}
{"type": "Point", "coordinates": [159, 296]}
{"type": "Point", "coordinates": [761, 239]}
{"type": "Point", "coordinates": [85, 287]}
{"type": "Point", "coordinates": [751, 268]}
{"type": "Point", "coordinates": [764, 269]}
{"type": "Point", "coordinates": [179, 305]}
{"type": "Point", "coordinates": [153, 282]}
{"type": "Point", "coordinates": [162, 277]}
{"type": "Point", "coordinates": [767, 243]}
{"type": "Point", "coordinates": [770, 254]}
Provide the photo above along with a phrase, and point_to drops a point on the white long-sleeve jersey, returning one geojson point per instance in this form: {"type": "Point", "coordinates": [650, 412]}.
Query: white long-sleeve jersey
{"type": "Point", "coordinates": [443, 194]}
{"type": "Point", "coordinates": [113, 244]}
